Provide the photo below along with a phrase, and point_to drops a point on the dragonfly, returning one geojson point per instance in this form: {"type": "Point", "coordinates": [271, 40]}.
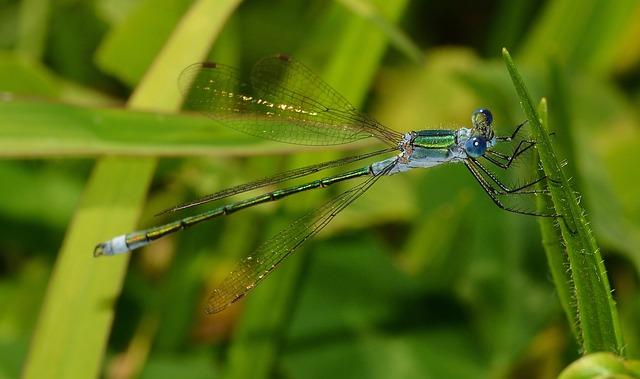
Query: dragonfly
{"type": "Point", "coordinates": [285, 101]}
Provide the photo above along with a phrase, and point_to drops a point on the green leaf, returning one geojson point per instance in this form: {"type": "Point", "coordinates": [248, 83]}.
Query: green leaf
{"type": "Point", "coordinates": [555, 252]}
{"type": "Point", "coordinates": [139, 37]}
{"type": "Point", "coordinates": [45, 129]}
{"type": "Point", "coordinates": [586, 35]}
{"type": "Point", "coordinates": [34, 17]}
{"type": "Point", "coordinates": [597, 315]}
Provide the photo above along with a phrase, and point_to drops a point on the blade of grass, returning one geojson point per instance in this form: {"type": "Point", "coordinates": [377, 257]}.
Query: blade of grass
{"type": "Point", "coordinates": [34, 15]}
{"type": "Point", "coordinates": [597, 314]}
{"type": "Point", "coordinates": [555, 252]}
{"type": "Point", "coordinates": [73, 326]}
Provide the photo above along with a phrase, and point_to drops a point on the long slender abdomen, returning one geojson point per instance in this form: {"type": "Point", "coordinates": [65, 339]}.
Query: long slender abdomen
{"type": "Point", "coordinates": [435, 139]}
{"type": "Point", "coordinates": [128, 242]}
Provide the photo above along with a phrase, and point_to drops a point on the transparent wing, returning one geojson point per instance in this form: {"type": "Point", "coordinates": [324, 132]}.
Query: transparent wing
{"type": "Point", "coordinates": [266, 258]}
{"type": "Point", "coordinates": [285, 102]}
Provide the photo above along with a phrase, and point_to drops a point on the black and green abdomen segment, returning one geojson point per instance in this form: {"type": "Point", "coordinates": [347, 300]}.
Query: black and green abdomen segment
{"type": "Point", "coordinates": [435, 139]}
{"type": "Point", "coordinates": [140, 238]}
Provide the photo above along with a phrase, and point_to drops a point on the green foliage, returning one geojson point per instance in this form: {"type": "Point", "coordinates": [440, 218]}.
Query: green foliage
{"type": "Point", "coordinates": [421, 277]}
{"type": "Point", "coordinates": [92, 131]}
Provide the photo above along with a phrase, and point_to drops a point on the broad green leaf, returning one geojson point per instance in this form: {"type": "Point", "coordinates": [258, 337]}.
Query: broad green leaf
{"type": "Point", "coordinates": [46, 129]}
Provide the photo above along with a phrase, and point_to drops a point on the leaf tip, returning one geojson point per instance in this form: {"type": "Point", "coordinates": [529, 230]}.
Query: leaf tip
{"type": "Point", "coordinates": [543, 104]}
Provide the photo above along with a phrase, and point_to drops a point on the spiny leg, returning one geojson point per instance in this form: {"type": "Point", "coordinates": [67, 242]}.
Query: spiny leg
{"type": "Point", "coordinates": [516, 152]}
{"type": "Point", "coordinates": [514, 134]}
{"type": "Point", "coordinates": [509, 158]}
{"type": "Point", "coordinates": [507, 190]}
{"type": "Point", "coordinates": [493, 194]}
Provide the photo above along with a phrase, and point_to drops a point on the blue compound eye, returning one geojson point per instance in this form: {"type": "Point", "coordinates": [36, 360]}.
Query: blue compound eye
{"type": "Point", "coordinates": [481, 118]}
{"type": "Point", "coordinates": [475, 146]}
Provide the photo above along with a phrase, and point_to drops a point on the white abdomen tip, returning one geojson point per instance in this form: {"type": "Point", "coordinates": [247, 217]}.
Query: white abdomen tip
{"type": "Point", "coordinates": [117, 245]}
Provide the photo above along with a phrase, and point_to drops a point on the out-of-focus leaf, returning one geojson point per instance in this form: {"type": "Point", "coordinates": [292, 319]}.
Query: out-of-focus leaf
{"type": "Point", "coordinates": [588, 35]}
{"type": "Point", "coordinates": [9, 16]}
{"type": "Point", "coordinates": [34, 19]}
{"type": "Point", "coordinates": [193, 366]}
{"type": "Point", "coordinates": [139, 38]}
{"type": "Point", "coordinates": [22, 75]}
{"type": "Point", "coordinates": [115, 11]}
{"type": "Point", "coordinates": [43, 129]}
{"type": "Point", "coordinates": [509, 23]}
{"type": "Point", "coordinates": [25, 76]}
{"type": "Point", "coordinates": [23, 294]}
{"type": "Point", "coordinates": [54, 190]}
{"type": "Point", "coordinates": [604, 123]}
{"type": "Point", "coordinates": [69, 55]}
{"type": "Point", "coordinates": [357, 306]}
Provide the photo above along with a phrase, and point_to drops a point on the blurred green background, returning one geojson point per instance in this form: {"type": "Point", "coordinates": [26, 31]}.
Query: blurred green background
{"type": "Point", "coordinates": [422, 277]}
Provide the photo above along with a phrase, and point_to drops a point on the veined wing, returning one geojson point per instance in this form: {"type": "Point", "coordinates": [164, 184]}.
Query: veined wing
{"type": "Point", "coordinates": [280, 76]}
{"type": "Point", "coordinates": [285, 102]}
{"type": "Point", "coordinates": [266, 258]}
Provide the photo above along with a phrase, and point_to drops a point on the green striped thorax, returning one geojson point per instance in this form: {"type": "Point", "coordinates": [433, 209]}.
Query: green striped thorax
{"type": "Point", "coordinates": [471, 142]}
{"type": "Point", "coordinates": [428, 148]}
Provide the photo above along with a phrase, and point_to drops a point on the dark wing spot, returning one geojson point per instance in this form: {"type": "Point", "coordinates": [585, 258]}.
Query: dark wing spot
{"type": "Point", "coordinates": [284, 57]}
{"type": "Point", "coordinates": [237, 298]}
{"type": "Point", "coordinates": [209, 64]}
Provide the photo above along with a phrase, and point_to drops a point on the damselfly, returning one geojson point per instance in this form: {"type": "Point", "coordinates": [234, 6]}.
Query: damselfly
{"type": "Point", "coordinates": [286, 102]}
